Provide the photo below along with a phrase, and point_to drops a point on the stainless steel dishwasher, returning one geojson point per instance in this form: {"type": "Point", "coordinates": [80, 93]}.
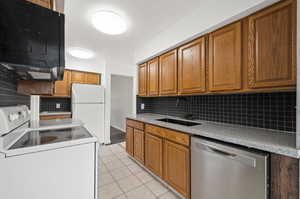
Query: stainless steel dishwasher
{"type": "Point", "coordinates": [228, 172]}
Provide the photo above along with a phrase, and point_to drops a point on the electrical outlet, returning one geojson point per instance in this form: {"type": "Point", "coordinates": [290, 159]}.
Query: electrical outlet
{"type": "Point", "coordinates": [142, 106]}
{"type": "Point", "coordinates": [58, 106]}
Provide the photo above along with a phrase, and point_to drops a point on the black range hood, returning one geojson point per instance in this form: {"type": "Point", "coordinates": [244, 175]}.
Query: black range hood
{"type": "Point", "coordinates": [32, 40]}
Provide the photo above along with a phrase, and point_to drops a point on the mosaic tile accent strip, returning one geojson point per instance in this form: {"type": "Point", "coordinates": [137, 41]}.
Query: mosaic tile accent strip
{"type": "Point", "coordinates": [49, 104]}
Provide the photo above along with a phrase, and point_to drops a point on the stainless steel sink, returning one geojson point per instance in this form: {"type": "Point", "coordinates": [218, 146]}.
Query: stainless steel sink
{"type": "Point", "coordinates": [180, 122]}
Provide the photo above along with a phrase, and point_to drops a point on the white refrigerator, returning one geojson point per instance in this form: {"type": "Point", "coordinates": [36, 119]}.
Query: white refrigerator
{"type": "Point", "coordinates": [88, 107]}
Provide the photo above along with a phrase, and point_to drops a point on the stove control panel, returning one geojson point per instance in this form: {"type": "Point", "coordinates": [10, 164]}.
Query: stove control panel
{"type": "Point", "coordinates": [13, 117]}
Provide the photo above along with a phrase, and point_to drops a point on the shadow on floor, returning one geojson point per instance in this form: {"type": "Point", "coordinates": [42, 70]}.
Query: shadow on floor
{"type": "Point", "coordinates": [116, 136]}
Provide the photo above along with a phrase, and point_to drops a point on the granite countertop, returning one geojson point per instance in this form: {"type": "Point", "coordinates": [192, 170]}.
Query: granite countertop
{"type": "Point", "coordinates": [54, 113]}
{"type": "Point", "coordinates": [278, 142]}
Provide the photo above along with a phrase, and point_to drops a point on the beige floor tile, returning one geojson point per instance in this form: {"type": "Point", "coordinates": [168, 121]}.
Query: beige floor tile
{"type": "Point", "coordinates": [121, 197]}
{"type": "Point", "coordinates": [105, 179]}
{"type": "Point", "coordinates": [103, 168]}
{"type": "Point", "coordinates": [157, 188]}
{"type": "Point", "coordinates": [144, 177]}
{"type": "Point", "coordinates": [110, 191]}
{"type": "Point", "coordinates": [114, 164]}
{"type": "Point", "coordinates": [129, 183]}
{"type": "Point", "coordinates": [121, 155]}
{"type": "Point", "coordinates": [135, 169]}
{"type": "Point", "coordinates": [169, 195]}
{"type": "Point", "coordinates": [127, 161]}
{"type": "Point", "coordinates": [107, 159]}
{"type": "Point", "coordinates": [140, 193]}
{"type": "Point", "coordinates": [120, 173]}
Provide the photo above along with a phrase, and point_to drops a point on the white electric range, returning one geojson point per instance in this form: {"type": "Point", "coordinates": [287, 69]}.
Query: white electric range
{"type": "Point", "coordinates": [48, 159]}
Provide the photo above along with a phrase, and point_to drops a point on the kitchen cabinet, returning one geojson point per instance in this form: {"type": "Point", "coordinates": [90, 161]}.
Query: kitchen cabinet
{"type": "Point", "coordinates": [35, 87]}
{"type": "Point", "coordinates": [154, 154]}
{"type": "Point", "coordinates": [225, 58]}
{"type": "Point", "coordinates": [78, 77]}
{"type": "Point", "coordinates": [138, 146]}
{"type": "Point", "coordinates": [142, 70]}
{"type": "Point", "coordinates": [93, 78]}
{"type": "Point", "coordinates": [272, 46]}
{"type": "Point", "coordinates": [177, 167]}
{"type": "Point", "coordinates": [168, 73]}
{"type": "Point", "coordinates": [43, 3]}
{"type": "Point", "coordinates": [53, 117]}
{"type": "Point", "coordinates": [192, 67]}
{"type": "Point", "coordinates": [63, 88]}
{"type": "Point", "coordinates": [284, 177]}
{"type": "Point", "coordinates": [129, 140]}
{"type": "Point", "coordinates": [153, 77]}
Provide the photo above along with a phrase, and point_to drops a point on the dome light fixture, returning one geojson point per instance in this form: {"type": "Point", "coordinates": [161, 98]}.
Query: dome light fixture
{"type": "Point", "coordinates": [81, 53]}
{"type": "Point", "coordinates": [109, 22]}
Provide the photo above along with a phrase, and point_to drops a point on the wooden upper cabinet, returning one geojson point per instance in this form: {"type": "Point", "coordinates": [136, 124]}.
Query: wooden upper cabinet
{"type": "Point", "coordinates": [78, 77]}
{"type": "Point", "coordinates": [63, 87]}
{"type": "Point", "coordinates": [154, 154]}
{"type": "Point", "coordinates": [153, 77]}
{"type": "Point", "coordinates": [191, 67]}
{"type": "Point", "coordinates": [272, 46]}
{"type": "Point", "coordinates": [92, 78]}
{"type": "Point", "coordinates": [225, 51]}
{"type": "Point", "coordinates": [142, 70]}
{"type": "Point", "coordinates": [43, 3]}
{"type": "Point", "coordinates": [168, 73]}
{"type": "Point", "coordinates": [177, 167]}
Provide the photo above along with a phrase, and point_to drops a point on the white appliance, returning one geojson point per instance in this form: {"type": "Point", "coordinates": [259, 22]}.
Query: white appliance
{"type": "Point", "coordinates": [57, 159]}
{"type": "Point", "coordinates": [88, 107]}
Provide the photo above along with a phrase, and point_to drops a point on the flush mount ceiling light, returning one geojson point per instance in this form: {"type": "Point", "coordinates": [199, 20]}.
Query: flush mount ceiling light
{"type": "Point", "coordinates": [109, 22]}
{"type": "Point", "coordinates": [81, 53]}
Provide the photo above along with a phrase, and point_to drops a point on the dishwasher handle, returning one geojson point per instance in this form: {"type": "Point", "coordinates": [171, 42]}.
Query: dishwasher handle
{"type": "Point", "coordinates": [246, 160]}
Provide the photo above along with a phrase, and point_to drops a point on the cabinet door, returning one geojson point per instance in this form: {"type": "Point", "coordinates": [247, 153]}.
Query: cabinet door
{"type": "Point", "coordinates": [153, 77]}
{"type": "Point", "coordinates": [31, 87]}
{"type": "Point", "coordinates": [78, 77]}
{"type": "Point", "coordinates": [154, 154]}
{"type": "Point", "coordinates": [168, 73]}
{"type": "Point", "coordinates": [142, 70]}
{"type": "Point", "coordinates": [138, 148]}
{"type": "Point", "coordinates": [129, 140]}
{"type": "Point", "coordinates": [272, 46]}
{"type": "Point", "coordinates": [43, 3]}
{"type": "Point", "coordinates": [191, 67]}
{"type": "Point", "coordinates": [225, 52]}
{"type": "Point", "coordinates": [63, 88]}
{"type": "Point", "coordinates": [92, 78]}
{"type": "Point", "coordinates": [177, 167]}
{"type": "Point", "coordinates": [55, 117]}
{"type": "Point", "coordinates": [284, 177]}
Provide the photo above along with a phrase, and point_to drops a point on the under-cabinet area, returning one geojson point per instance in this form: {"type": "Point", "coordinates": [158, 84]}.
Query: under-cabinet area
{"type": "Point", "coordinates": [254, 54]}
{"type": "Point", "coordinates": [167, 154]}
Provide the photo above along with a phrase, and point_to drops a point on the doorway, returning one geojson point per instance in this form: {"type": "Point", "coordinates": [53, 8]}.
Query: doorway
{"type": "Point", "coordinates": [121, 106]}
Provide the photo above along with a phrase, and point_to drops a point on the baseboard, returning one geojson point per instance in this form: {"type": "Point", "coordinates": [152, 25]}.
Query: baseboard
{"type": "Point", "coordinates": [116, 127]}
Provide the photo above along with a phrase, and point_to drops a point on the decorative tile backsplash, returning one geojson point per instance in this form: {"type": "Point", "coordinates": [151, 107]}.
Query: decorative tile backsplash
{"type": "Point", "coordinates": [264, 110]}
{"type": "Point", "coordinates": [8, 89]}
{"type": "Point", "coordinates": [50, 104]}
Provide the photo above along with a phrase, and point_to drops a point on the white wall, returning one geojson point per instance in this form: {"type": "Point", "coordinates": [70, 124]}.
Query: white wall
{"type": "Point", "coordinates": [121, 100]}
{"type": "Point", "coordinates": [211, 15]}
{"type": "Point", "coordinates": [96, 64]}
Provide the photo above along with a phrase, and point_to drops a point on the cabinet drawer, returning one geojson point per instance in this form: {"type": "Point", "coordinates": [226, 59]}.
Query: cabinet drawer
{"type": "Point", "coordinates": [154, 130]}
{"type": "Point", "coordinates": [177, 137]}
{"type": "Point", "coordinates": [135, 124]}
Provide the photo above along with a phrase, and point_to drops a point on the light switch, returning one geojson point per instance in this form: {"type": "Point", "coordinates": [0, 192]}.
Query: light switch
{"type": "Point", "coordinates": [142, 106]}
{"type": "Point", "coordinates": [58, 106]}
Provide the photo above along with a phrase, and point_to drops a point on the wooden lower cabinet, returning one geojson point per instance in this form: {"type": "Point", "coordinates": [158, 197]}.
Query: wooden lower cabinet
{"type": "Point", "coordinates": [129, 140]}
{"type": "Point", "coordinates": [138, 146]}
{"type": "Point", "coordinates": [154, 154]}
{"type": "Point", "coordinates": [284, 176]}
{"type": "Point", "coordinates": [177, 167]}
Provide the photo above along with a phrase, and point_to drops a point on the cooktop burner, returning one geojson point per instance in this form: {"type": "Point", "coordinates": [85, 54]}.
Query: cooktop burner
{"type": "Point", "coordinates": [35, 138]}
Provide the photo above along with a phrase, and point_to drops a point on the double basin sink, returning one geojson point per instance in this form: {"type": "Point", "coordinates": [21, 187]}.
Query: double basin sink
{"type": "Point", "coordinates": [180, 122]}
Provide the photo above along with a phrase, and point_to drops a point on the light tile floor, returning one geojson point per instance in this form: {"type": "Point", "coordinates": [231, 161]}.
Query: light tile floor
{"type": "Point", "coordinates": [121, 178]}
